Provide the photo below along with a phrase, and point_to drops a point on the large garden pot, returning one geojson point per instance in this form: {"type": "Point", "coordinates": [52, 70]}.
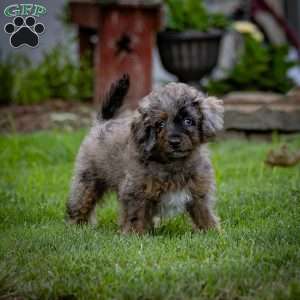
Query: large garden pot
{"type": "Point", "coordinates": [189, 54]}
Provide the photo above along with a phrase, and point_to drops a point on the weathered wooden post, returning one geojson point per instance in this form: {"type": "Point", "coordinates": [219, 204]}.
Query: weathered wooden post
{"type": "Point", "coordinates": [126, 31]}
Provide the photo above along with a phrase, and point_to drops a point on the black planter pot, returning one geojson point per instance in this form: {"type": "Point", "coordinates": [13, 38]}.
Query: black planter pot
{"type": "Point", "coordinates": [189, 54]}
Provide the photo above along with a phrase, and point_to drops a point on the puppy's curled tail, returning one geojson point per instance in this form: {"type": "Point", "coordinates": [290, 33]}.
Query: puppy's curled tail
{"type": "Point", "coordinates": [114, 98]}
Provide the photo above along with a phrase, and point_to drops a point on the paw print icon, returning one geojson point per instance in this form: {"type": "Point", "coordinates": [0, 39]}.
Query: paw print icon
{"type": "Point", "coordinates": [24, 32]}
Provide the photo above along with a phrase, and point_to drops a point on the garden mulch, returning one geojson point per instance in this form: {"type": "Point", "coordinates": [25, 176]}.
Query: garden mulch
{"type": "Point", "coordinates": [247, 114]}
{"type": "Point", "coordinates": [55, 113]}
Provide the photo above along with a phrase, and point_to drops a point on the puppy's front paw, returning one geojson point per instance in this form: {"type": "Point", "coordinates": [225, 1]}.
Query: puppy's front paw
{"type": "Point", "coordinates": [214, 225]}
{"type": "Point", "coordinates": [133, 228]}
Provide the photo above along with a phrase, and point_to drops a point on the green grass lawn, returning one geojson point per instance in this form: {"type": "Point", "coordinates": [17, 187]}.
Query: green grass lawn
{"type": "Point", "coordinates": [256, 257]}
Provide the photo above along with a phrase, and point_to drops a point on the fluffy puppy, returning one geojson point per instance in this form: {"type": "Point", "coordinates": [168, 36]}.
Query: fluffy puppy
{"type": "Point", "coordinates": [155, 158]}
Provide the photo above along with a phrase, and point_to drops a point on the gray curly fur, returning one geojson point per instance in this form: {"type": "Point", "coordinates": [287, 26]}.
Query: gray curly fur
{"type": "Point", "coordinates": [150, 156]}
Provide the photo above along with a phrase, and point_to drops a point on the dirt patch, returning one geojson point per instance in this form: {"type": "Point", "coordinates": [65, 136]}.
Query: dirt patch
{"type": "Point", "coordinates": [67, 115]}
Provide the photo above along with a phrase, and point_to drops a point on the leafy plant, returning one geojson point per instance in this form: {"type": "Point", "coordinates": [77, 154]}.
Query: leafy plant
{"type": "Point", "coordinates": [192, 14]}
{"type": "Point", "coordinates": [29, 87]}
{"type": "Point", "coordinates": [56, 76]}
{"type": "Point", "coordinates": [260, 67]}
{"type": "Point", "coordinates": [64, 78]}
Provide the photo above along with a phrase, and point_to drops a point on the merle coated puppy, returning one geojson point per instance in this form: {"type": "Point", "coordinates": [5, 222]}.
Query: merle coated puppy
{"type": "Point", "coordinates": [155, 158]}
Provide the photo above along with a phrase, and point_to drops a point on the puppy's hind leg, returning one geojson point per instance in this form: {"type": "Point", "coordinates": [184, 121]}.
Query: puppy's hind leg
{"type": "Point", "coordinates": [85, 192]}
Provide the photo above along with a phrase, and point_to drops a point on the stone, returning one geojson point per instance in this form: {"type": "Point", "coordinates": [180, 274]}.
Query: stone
{"type": "Point", "coordinates": [63, 117]}
{"type": "Point", "coordinates": [262, 112]}
{"type": "Point", "coordinates": [252, 97]}
{"type": "Point", "coordinates": [294, 94]}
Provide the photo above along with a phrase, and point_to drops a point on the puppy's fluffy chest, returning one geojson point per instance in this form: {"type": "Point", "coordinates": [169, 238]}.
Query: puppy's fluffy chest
{"type": "Point", "coordinates": [173, 202]}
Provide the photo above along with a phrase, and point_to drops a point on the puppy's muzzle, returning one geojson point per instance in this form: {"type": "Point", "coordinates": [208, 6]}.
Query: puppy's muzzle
{"type": "Point", "coordinates": [175, 142]}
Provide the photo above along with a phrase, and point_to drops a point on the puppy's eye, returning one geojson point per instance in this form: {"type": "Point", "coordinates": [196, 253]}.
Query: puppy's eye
{"type": "Point", "coordinates": [188, 122]}
{"type": "Point", "coordinates": [161, 124]}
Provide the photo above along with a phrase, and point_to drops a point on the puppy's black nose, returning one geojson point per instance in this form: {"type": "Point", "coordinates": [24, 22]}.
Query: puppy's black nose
{"type": "Point", "coordinates": [174, 142]}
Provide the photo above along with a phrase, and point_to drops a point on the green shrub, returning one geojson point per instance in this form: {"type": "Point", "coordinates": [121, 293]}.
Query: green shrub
{"type": "Point", "coordinates": [56, 76]}
{"type": "Point", "coordinates": [191, 14]}
{"type": "Point", "coordinates": [260, 67]}
{"type": "Point", "coordinates": [65, 79]}
{"type": "Point", "coordinates": [29, 84]}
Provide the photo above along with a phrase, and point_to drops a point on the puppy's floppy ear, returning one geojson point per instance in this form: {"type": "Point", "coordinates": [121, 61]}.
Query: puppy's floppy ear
{"type": "Point", "coordinates": [143, 134]}
{"type": "Point", "coordinates": [211, 117]}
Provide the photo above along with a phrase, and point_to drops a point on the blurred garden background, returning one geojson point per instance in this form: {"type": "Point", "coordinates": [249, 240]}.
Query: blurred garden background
{"type": "Point", "coordinates": [243, 51]}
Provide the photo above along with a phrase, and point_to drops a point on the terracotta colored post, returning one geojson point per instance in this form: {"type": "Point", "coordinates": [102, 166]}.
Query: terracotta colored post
{"type": "Point", "coordinates": [126, 36]}
{"type": "Point", "coordinates": [85, 44]}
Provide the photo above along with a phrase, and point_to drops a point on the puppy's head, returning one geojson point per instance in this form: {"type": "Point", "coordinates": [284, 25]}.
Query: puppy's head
{"type": "Point", "coordinates": [174, 120]}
